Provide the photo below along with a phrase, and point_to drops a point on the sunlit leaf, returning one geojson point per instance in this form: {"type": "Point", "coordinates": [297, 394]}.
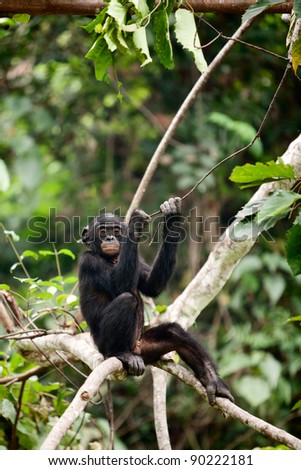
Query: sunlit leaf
{"type": "Point", "coordinates": [46, 253]}
{"type": "Point", "coordinates": [296, 54]}
{"type": "Point", "coordinates": [4, 177]}
{"type": "Point", "coordinates": [140, 42]}
{"type": "Point", "coordinates": [4, 287]}
{"type": "Point", "coordinates": [30, 254]}
{"type": "Point", "coordinates": [65, 251]}
{"type": "Point", "coordinates": [187, 36]}
{"type": "Point", "coordinates": [262, 172]}
{"type": "Point", "coordinates": [141, 7]}
{"type": "Point", "coordinates": [21, 18]}
{"type": "Point", "coordinates": [117, 11]}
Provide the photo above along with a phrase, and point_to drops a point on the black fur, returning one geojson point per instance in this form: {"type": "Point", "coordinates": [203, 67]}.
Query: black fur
{"type": "Point", "coordinates": [110, 285]}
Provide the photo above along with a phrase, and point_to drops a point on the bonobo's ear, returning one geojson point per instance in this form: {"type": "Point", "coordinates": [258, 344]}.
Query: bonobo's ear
{"type": "Point", "coordinates": [85, 236]}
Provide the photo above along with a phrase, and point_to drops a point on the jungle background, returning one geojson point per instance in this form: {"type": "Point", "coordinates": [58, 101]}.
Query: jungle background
{"type": "Point", "coordinates": [71, 148]}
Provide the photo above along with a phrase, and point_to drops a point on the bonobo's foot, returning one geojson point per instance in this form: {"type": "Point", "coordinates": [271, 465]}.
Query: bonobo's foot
{"type": "Point", "coordinates": [216, 387]}
{"type": "Point", "coordinates": [133, 364]}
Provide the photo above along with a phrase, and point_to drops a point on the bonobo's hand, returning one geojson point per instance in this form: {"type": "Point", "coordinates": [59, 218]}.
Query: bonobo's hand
{"type": "Point", "coordinates": [139, 220]}
{"type": "Point", "coordinates": [171, 210]}
{"type": "Point", "coordinates": [133, 364]}
{"type": "Point", "coordinates": [172, 206]}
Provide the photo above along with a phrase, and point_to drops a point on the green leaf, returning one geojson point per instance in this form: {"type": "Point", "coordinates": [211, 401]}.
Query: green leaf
{"type": "Point", "coordinates": [141, 7]}
{"type": "Point", "coordinates": [293, 249]}
{"type": "Point", "coordinates": [274, 286]}
{"type": "Point", "coordinates": [44, 296]}
{"type": "Point", "coordinates": [296, 54]}
{"type": "Point", "coordinates": [97, 21]}
{"type": "Point", "coordinates": [297, 405]}
{"type": "Point", "coordinates": [163, 45]}
{"type": "Point", "coordinates": [4, 287]}
{"type": "Point", "coordinates": [140, 42]}
{"type": "Point", "coordinates": [278, 204]}
{"type": "Point", "coordinates": [8, 411]}
{"type": "Point", "coordinates": [259, 7]}
{"type": "Point", "coordinates": [254, 389]}
{"type": "Point", "coordinates": [117, 11]}
{"type": "Point", "coordinates": [187, 35]}
{"type": "Point", "coordinates": [30, 254]}
{"type": "Point", "coordinates": [46, 253]}
{"type": "Point", "coordinates": [262, 172]}
{"type": "Point", "coordinates": [297, 8]}
{"type": "Point", "coordinates": [296, 318]}
{"type": "Point", "coordinates": [67, 252]}
{"type": "Point", "coordinates": [21, 18]}
{"type": "Point", "coordinates": [242, 129]}
{"type": "Point", "coordinates": [4, 177]}
{"type": "Point", "coordinates": [102, 64]}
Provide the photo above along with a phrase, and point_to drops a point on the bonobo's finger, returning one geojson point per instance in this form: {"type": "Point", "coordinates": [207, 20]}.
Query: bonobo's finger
{"type": "Point", "coordinates": [164, 208]}
{"type": "Point", "coordinates": [172, 206]}
{"type": "Point", "coordinates": [178, 203]}
{"type": "Point", "coordinates": [141, 216]}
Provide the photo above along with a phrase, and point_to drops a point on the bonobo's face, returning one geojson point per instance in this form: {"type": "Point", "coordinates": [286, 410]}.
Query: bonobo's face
{"type": "Point", "coordinates": [104, 234]}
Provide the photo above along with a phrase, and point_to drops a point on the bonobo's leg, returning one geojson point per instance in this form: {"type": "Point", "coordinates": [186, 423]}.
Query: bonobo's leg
{"type": "Point", "coordinates": [167, 337]}
{"type": "Point", "coordinates": [117, 331]}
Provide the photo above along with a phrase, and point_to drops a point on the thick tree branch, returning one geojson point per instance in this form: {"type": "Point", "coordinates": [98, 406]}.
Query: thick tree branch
{"type": "Point", "coordinates": [86, 392]}
{"type": "Point", "coordinates": [92, 7]}
{"type": "Point", "coordinates": [111, 366]}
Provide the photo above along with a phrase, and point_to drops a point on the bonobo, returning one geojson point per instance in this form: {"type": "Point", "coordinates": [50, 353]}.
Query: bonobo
{"type": "Point", "coordinates": [112, 275]}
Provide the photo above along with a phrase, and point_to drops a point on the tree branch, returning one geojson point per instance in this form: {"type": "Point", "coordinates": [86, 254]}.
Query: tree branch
{"type": "Point", "coordinates": [86, 392]}
{"type": "Point", "coordinates": [92, 7]}
{"type": "Point", "coordinates": [112, 366]}
{"type": "Point", "coordinates": [179, 116]}
{"type": "Point", "coordinates": [230, 409]}
{"type": "Point", "coordinates": [161, 426]}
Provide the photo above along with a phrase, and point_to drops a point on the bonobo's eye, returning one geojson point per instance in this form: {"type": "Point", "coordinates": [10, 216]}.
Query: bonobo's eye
{"type": "Point", "coordinates": [117, 231]}
{"type": "Point", "coordinates": [102, 232]}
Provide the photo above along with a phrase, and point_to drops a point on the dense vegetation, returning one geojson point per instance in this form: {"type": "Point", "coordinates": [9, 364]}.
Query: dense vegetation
{"type": "Point", "coordinates": [71, 146]}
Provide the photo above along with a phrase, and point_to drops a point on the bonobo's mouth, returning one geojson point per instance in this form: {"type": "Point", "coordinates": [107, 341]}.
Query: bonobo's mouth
{"type": "Point", "coordinates": [110, 249]}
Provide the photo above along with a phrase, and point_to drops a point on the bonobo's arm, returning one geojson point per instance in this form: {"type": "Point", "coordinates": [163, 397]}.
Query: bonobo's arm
{"type": "Point", "coordinates": [153, 280]}
{"type": "Point", "coordinates": [125, 274]}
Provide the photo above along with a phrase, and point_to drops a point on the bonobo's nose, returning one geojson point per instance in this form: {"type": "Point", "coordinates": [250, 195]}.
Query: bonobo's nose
{"type": "Point", "coordinates": [110, 238]}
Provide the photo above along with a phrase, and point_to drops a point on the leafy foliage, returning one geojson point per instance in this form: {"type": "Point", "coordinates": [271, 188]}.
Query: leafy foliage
{"type": "Point", "coordinates": [254, 175]}
{"type": "Point", "coordinates": [121, 27]}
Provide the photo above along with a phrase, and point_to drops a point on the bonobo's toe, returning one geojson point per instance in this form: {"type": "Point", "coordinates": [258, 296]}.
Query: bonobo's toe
{"type": "Point", "coordinates": [133, 364]}
{"type": "Point", "coordinates": [217, 388]}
